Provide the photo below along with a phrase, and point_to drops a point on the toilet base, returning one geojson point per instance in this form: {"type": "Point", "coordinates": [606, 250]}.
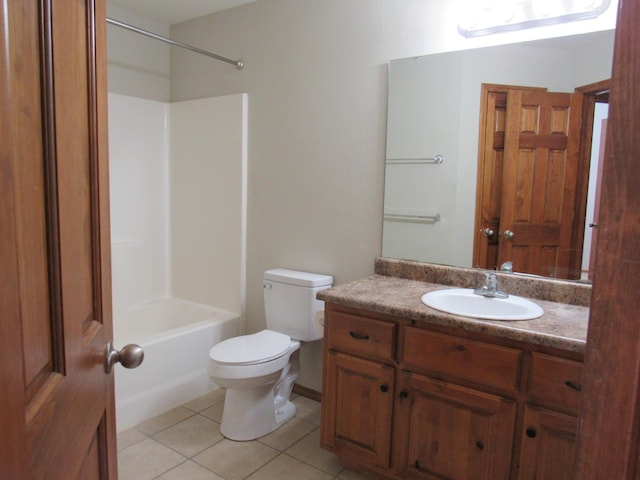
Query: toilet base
{"type": "Point", "coordinates": [251, 413]}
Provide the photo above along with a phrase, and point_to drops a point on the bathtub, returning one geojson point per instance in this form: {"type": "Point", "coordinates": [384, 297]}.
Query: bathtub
{"type": "Point", "coordinates": [176, 336]}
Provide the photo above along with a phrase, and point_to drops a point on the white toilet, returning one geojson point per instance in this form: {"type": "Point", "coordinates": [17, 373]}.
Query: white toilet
{"type": "Point", "coordinates": [259, 370]}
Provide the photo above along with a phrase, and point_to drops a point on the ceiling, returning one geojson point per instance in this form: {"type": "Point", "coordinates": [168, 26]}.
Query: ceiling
{"type": "Point", "coordinates": [176, 11]}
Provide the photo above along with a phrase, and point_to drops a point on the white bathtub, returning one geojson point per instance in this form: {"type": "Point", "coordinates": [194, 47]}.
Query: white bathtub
{"type": "Point", "coordinates": [176, 336]}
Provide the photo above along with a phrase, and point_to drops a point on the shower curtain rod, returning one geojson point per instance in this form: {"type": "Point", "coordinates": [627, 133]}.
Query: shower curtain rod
{"type": "Point", "coordinates": [239, 64]}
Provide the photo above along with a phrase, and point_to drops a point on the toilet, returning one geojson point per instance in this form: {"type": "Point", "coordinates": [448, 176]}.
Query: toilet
{"type": "Point", "coordinates": [258, 370]}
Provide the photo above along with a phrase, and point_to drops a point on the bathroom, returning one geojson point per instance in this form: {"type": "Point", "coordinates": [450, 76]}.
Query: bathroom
{"type": "Point", "coordinates": [316, 120]}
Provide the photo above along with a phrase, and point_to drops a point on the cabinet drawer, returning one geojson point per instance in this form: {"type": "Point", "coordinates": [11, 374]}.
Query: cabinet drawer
{"type": "Point", "coordinates": [361, 335]}
{"type": "Point", "coordinates": [473, 360]}
{"type": "Point", "coordinates": [556, 382]}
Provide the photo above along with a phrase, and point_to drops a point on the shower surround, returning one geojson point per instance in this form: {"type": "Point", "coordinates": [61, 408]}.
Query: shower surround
{"type": "Point", "coordinates": [178, 230]}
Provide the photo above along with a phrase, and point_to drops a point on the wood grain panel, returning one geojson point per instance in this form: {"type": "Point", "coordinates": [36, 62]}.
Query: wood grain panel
{"type": "Point", "coordinates": [90, 467]}
{"type": "Point", "coordinates": [548, 445]}
{"type": "Point", "coordinates": [554, 187]}
{"type": "Point", "coordinates": [75, 178]}
{"type": "Point", "coordinates": [524, 190]}
{"type": "Point", "coordinates": [559, 124]}
{"type": "Point", "coordinates": [361, 393]}
{"type": "Point", "coordinates": [556, 382]}
{"type": "Point", "coordinates": [452, 432]}
{"type": "Point", "coordinates": [362, 336]}
{"type": "Point", "coordinates": [530, 119]}
{"type": "Point", "coordinates": [478, 362]}
{"type": "Point", "coordinates": [13, 436]}
{"type": "Point", "coordinates": [30, 203]}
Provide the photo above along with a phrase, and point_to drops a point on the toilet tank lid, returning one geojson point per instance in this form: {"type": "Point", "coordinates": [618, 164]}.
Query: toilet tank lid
{"type": "Point", "coordinates": [294, 277]}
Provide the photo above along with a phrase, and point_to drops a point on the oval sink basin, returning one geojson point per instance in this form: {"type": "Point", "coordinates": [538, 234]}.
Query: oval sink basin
{"type": "Point", "coordinates": [462, 301]}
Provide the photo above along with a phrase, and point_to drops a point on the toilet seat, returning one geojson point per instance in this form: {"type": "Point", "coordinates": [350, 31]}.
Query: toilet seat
{"type": "Point", "coordinates": [252, 349]}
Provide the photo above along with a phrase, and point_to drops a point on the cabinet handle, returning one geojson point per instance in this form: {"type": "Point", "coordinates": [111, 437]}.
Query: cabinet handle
{"type": "Point", "coordinates": [359, 336]}
{"type": "Point", "coordinates": [460, 348]}
{"type": "Point", "coordinates": [480, 445]}
{"type": "Point", "coordinates": [575, 386]}
{"type": "Point", "coordinates": [384, 388]}
{"type": "Point", "coordinates": [403, 395]}
{"type": "Point", "coordinates": [531, 432]}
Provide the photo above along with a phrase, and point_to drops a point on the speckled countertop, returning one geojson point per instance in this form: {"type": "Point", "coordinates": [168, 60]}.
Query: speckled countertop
{"type": "Point", "coordinates": [563, 324]}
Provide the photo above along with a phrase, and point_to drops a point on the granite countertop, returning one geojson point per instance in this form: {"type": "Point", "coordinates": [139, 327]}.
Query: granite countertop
{"type": "Point", "coordinates": [562, 326]}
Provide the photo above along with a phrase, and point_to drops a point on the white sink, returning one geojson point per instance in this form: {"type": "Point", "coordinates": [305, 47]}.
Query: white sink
{"type": "Point", "coordinates": [462, 301]}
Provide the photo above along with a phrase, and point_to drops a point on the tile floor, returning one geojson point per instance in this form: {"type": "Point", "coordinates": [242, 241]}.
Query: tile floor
{"type": "Point", "coordinates": [185, 444]}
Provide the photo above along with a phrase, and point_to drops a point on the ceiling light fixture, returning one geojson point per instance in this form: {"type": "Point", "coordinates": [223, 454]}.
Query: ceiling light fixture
{"type": "Point", "coordinates": [485, 17]}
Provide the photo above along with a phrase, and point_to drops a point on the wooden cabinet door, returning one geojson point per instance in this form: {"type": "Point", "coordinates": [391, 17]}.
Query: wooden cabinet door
{"type": "Point", "coordinates": [539, 181]}
{"type": "Point", "coordinates": [55, 314]}
{"type": "Point", "coordinates": [359, 397]}
{"type": "Point", "coordinates": [548, 445]}
{"type": "Point", "coordinates": [445, 431]}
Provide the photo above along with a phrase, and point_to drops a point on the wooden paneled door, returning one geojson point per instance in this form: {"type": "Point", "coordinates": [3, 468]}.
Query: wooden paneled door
{"type": "Point", "coordinates": [538, 184]}
{"type": "Point", "coordinates": [57, 405]}
{"type": "Point", "coordinates": [527, 180]}
{"type": "Point", "coordinates": [493, 124]}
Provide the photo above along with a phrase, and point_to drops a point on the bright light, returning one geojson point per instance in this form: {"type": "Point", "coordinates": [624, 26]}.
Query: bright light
{"type": "Point", "coordinates": [484, 17]}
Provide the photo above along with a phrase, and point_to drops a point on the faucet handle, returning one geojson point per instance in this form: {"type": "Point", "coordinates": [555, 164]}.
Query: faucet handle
{"type": "Point", "coordinates": [490, 279]}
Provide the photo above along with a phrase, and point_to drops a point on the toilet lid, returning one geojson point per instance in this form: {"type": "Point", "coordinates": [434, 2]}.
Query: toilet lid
{"type": "Point", "coordinates": [249, 349]}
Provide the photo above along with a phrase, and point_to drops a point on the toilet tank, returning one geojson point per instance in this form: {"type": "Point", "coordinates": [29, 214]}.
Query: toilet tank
{"type": "Point", "coordinates": [290, 302]}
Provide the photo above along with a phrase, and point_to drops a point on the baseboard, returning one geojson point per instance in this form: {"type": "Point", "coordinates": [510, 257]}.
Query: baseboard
{"type": "Point", "coordinates": [307, 392]}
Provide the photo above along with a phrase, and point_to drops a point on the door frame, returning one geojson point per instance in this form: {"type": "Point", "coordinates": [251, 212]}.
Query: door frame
{"type": "Point", "coordinates": [609, 426]}
{"type": "Point", "coordinates": [581, 133]}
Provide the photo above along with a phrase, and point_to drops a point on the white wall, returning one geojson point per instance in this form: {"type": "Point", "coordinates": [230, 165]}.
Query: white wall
{"type": "Point", "coordinates": [316, 75]}
{"type": "Point", "coordinates": [138, 66]}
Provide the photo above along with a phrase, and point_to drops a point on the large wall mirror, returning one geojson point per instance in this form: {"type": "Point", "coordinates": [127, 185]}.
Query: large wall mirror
{"type": "Point", "coordinates": [443, 107]}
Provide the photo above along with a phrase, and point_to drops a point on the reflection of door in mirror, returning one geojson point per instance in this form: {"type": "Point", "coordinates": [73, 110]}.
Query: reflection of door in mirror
{"type": "Point", "coordinates": [531, 180]}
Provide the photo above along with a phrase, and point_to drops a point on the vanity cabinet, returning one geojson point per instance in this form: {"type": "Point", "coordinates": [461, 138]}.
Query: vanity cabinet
{"type": "Point", "coordinates": [548, 445]}
{"type": "Point", "coordinates": [444, 430]}
{"type": "Point", "coordinates": [550, 418]}
{"type": "Point", "coordinates": [359, 378]}
{"type": "Point", "coordinates": [405, 399]}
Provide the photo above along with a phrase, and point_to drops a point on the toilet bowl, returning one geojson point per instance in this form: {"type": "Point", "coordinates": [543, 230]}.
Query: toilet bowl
{"type": "Point", "coordinates": [259, 370]}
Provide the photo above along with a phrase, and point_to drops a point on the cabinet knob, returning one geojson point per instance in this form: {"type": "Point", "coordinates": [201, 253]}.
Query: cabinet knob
{"type": "Point", "coordinates": [403, 395]}
{"type": "Point", "coordinates": [384, 388]}
{"type": "Point", "coordinates": [480, 445]}
{"type": "Point", "coordinates": [531, 432]}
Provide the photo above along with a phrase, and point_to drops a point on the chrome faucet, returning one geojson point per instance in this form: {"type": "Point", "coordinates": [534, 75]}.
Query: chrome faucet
{"type": "Point", "coordinates": [490, 287]}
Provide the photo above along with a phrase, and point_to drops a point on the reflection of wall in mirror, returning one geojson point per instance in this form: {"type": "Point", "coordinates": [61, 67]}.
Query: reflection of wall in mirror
{"type": "Point", "coordinates": [434, 104]}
